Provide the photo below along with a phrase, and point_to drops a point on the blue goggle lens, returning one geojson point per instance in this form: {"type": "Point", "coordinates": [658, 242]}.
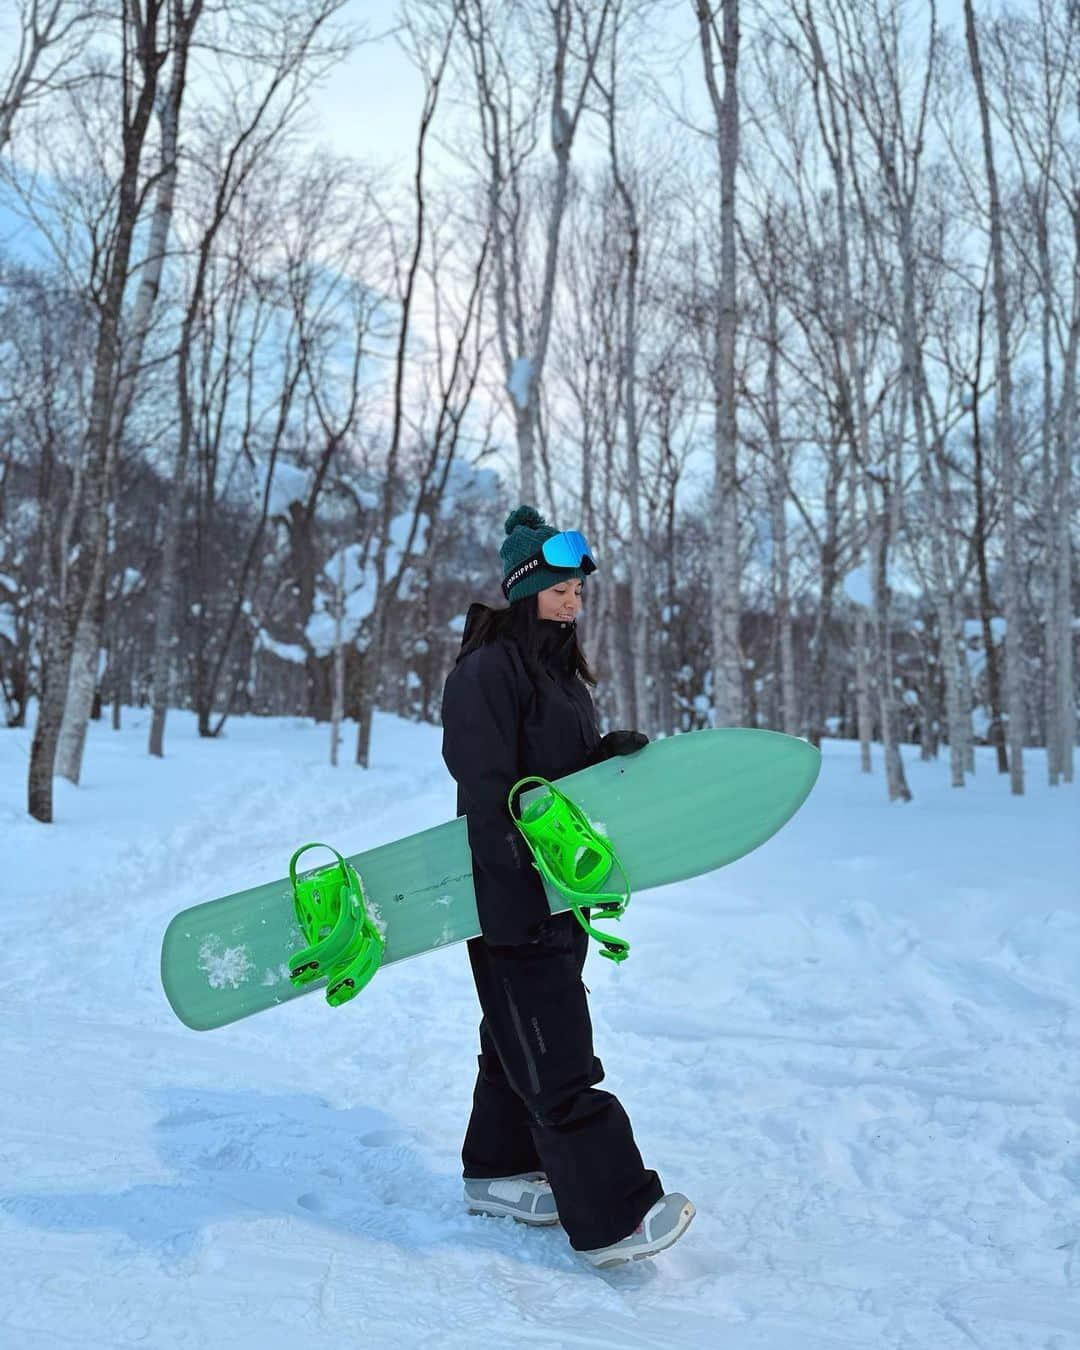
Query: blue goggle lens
{"type": "Point", "coordinates": [568, 549]}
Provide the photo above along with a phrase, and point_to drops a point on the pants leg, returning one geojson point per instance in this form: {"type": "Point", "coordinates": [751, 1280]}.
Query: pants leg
{"type": "Point", "coordinates": [537, 1018]}
{"type": "Point", "coordinates": [498, 1142]}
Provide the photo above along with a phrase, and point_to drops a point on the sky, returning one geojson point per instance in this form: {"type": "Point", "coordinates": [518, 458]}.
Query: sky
{"type": "Point", "coordinates": [370, 104]}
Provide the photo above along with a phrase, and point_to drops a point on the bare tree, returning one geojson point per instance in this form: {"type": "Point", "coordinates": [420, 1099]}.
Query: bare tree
{"type": "Point", "coordinates": [431, 48]}
{"type": "Point", "coordinates": [143, 52]}
{"type": "Point", "coordinates": [1032, 63]}
{"type": "Point", "coordinates": [899, 145]}
{"type": "Point", "coordinates": [718, 35]}
{"type": "Point", "coordinates": [246, 143]}
{"type": "Point", "coordinates": [52, 37]}
{"type": "Point", "coordinates": [819, 272]}
{"type": "Point", "coordinates": [553, 53]}
{"type": "Point", "coordinates": [767, 263]}
{"type": "Point", "coordinates": [335, 307]}
{"type": "Point", "coordinates": [430, 41]}
{"type": "Point", "coordinates": [243, 423]}
{"type": "Point", "coordinates": [1003, 422]}
{"type": "Point", "coordinates": [84, 657]}
{"type": "Point", "coordinates": [627, 189]}
{"type": "Point", "coordinates": [581, 409]}
{"type": "Point", "coordinates": [981, 534]}
{"type": "Point", "coordinates": [863, 57]}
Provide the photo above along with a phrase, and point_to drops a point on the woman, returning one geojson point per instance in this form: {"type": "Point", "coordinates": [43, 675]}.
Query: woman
{"type": "Point", "coordinates": [543, 1144]}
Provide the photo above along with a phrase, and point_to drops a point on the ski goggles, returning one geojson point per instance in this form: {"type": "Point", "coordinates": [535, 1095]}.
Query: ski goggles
{"type": "Point", "coordinates": [566, 551]}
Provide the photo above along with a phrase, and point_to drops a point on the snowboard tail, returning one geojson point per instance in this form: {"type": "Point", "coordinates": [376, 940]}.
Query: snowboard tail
{"type": "Point", "coordinates": [681, 807]}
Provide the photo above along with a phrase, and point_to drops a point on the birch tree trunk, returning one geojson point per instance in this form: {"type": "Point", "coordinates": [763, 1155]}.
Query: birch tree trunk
{"type": "Point", "coordinates": [622, 654]}
{"type": "Point", "coordinates": [174, 511]}
{"type": "Point", "coordinates": [639, 587]}
{"type": "Point", "coordinates": [1051, 610]}
{"type": "Point", "coordinates": [608, 619]}
{"type": "Point", "coordinates": [337, 706]}
{"type": "Point", "coordinates": [864, 717]}
{"type": "Point", "coordinates": [789, 704]}
{"type": "Point", "coordinates": [828, 557]}
{"type": "Point", "coordinates": [1067, 432]}
{"type": "Point", "coordinates": [725, 572]}
{"type": "Point", "coordinates": [778, 491]}
{"type": "Point", "coordinates": [1003, 428]}
{"type": "Point", "coordinates": [1060, 634]}
{"type": "Point", "coordinates": [881, 532]}
{"type": "Point", "coordinates": [666, 709]}
{"type": "Point", "coordinates": [996, 729]}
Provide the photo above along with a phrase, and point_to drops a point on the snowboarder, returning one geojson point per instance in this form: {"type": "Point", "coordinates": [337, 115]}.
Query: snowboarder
{"type": "Point", "coordinates": [544, 1145]}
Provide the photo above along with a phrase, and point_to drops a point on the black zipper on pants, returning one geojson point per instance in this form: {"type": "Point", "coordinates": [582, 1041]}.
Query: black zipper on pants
{"type": "Point", "coordinates": [530, 1061]}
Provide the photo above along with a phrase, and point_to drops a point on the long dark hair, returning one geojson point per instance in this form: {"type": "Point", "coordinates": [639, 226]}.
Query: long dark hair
{"type": "Point", "coordinates": [520, 623]}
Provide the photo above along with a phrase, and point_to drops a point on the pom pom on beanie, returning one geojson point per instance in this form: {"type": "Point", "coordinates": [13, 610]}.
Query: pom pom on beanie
{"type": "Point", "coordinates": [528, 516]}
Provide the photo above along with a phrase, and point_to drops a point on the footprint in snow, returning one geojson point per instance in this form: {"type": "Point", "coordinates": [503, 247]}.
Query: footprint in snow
{"type": "Point", "coordinates": [385, 1138]}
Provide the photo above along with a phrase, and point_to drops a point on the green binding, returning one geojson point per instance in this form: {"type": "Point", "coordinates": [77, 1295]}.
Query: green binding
{"type": "Point", "coordinates": [574, 859]}
{"type": "Point", "coordinates": [343, 943]}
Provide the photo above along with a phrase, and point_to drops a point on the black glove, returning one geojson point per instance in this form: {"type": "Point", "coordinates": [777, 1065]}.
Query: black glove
{"type": "Point", "coordinates": [619, 743]}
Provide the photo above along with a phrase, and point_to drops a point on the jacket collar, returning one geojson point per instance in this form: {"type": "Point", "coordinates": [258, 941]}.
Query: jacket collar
{"type": "Point", "coordinates": [554, 635]}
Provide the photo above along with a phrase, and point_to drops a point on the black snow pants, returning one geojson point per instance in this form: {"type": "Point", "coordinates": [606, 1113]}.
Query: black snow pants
{"type": "Point", "coordinates": [535, 1106]}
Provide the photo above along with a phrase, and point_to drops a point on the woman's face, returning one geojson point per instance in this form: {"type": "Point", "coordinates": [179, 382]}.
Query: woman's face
{"type": "Point", "coordinates": [561, 602]}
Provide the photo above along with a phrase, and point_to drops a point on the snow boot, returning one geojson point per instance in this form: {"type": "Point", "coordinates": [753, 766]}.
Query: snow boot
{"type": "Point", "coordinates": [664, 1224]}
{"type": "Point", "coordinates": [526, 1197]}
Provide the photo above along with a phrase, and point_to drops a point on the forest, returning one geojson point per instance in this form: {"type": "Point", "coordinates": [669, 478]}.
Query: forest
{"type": "Point", "coordinates": [778, 301]}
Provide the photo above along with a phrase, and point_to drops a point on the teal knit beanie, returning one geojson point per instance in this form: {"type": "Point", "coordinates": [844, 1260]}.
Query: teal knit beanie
{"type": "Point", "coordinates": [526, 530]}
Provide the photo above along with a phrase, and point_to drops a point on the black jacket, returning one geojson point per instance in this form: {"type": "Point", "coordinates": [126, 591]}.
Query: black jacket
{"type": "Point", "coordinates": [498, 727]}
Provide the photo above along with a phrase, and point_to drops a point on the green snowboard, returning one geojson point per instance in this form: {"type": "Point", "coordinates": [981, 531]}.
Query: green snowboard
{"type": "Point", "coordinates": [680, 807]}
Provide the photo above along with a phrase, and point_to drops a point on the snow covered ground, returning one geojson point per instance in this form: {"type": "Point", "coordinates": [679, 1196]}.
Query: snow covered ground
{"type": "Point", "coordinates": [856, 1050]}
